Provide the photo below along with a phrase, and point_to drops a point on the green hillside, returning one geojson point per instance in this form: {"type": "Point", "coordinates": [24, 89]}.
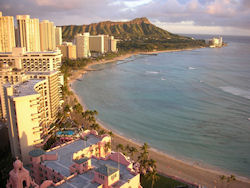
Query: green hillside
{"type": "Point", "coordinates": [137, 34]}
{"type": "Point", "coordinates": [138, 28]}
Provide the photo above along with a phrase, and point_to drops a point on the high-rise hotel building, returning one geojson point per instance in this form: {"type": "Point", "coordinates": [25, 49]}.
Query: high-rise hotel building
{"type": "Point", "coordinates": [47, 35]}
{"type": "Point", "coordinates": [21, 62]}
{"type": "Point", "coordinates": [82, 42]}
{"type": "Point", "coordinates": [28, 33]}
{"type": "Point", "coordinates": [58, 36]}
{"type": "Point", "coordinates": [30, 82]}
{"type": "Point", "coordinates": [31, 107]}
{"type": "Point", "coordinates": [7, 33]}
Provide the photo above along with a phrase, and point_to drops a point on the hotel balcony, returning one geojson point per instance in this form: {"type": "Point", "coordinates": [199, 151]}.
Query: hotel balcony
{"type": "Point", "coordinates": [38, 131]}
{"type": "Point", "coordinates": [38, 141]}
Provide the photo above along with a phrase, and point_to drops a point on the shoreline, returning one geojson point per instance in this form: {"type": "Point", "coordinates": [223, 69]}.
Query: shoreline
{"type": "Point", "coordinates": [166, 164]}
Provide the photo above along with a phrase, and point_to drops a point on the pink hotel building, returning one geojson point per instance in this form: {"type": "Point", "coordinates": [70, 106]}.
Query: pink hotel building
{"type": "Point", "coordinates": [85, 163]}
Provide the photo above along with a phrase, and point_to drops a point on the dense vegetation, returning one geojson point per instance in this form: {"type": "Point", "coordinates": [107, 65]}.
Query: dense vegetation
{"type": "Point", "coordinates": [138, 34]}
{"type": "Point", "coordinates": [138, 28]}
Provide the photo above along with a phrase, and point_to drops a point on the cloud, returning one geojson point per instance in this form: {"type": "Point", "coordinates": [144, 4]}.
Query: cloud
{"type": "Point", "coordinates": [59, 4]}
{"type": "Point", "coordinates": [209, 14]}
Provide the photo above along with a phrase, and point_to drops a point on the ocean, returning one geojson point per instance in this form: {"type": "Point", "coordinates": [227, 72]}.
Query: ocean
{"type": "Point", "coordinates": [193, 105]}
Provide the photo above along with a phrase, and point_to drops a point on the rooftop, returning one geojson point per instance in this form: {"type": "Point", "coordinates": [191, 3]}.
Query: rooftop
{"type": "Point", "coordinates": [26, 88]}
{"type": "Point", "coordinates": [40, 73]}
{"type": "Point", "coordinates": [36, 152]}
{"type": "Point", "coordinates": [65, 154]}
{"type": "Point", "coordinates": [88, 176]}
{"type": "Point", "coordinates": [106, 170]}
{"type": "Point", "coordinates": [82, 160]}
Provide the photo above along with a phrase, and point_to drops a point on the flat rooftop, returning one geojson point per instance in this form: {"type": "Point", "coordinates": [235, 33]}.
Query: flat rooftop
{"type": "Point", "coordinates": [65, 154]}
{"type": "Point", "coordinates": [84, 180]}
{"type": "Point", "coordinates": [26, 88]}
{"type": "Point", "coordinates": [40, 73]}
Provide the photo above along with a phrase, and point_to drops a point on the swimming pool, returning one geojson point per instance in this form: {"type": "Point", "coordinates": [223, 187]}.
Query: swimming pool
{"type": "Point", "coordinates": [68, 133]}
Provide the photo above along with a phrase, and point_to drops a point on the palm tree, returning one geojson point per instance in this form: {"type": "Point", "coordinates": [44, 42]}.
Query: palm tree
{"type": "Point", "coordinates": [126, 149]}
{"type": "Point", "coordinates": [145, 148]}
{"type": "Point", "coordinates": [132, 151]}
{"type": "Point", "coordinates": [153, 177]}
{"type": "Point", "coordinates": [107, 146]}
{"type": "Point", "coordinates": [119, 147]}
{"type": "Point", "coordinates": [152, 165]}
{"type": "Point", "coordinates": [95, 126]}
{"type": "Point", "coordinates": [101, 132]}
{"type": "Point", "coordinates": [111, 134]}
{"type": "Point", "coordinates": [143, 158]}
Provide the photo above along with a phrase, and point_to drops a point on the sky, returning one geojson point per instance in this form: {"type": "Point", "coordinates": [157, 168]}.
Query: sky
{"type": "Point", "coordinates": [219, 17]}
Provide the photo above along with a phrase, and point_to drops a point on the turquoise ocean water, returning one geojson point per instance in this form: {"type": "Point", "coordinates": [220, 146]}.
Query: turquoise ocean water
{"type": "Point", "coordinates": [193, 105]}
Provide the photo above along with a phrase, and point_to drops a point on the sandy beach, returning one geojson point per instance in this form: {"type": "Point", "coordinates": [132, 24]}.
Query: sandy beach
{"type": "Point", "coordinates": [168, 165]}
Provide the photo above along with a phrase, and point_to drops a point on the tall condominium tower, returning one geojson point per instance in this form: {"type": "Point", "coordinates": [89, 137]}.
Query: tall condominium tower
{"type": "Point", "coordinates": [28, 33]}
{"type": "Point", "coordinates": [82, 45]}
{"type": "Point", "coordinates": [7, 33]}
{"type": "Point", "coordinates": [58, 36]}
{"type": "Point", "coordinates": [96, 43]}
{"type": "Point", "coordinates": [110, 44]}
{"type": "Point", "coordinates": [47, 35]}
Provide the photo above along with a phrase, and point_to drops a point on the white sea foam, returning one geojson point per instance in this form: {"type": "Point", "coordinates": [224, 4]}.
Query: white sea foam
{"type": "Point", "coordinates": [237, 91]}
{"type": "Point", "coordinates": [191, 68]}
{"type": "Point", "coordinates": [152, 72]}
{"type": "Point", "coordinates": [163, 78]}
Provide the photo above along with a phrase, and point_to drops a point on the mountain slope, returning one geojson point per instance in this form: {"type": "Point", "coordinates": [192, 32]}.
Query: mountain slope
{"type": "Point", "coordinates": [135, 29]}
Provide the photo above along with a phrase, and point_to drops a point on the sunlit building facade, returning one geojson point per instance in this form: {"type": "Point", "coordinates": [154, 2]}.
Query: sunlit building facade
{"type": "Point", "coordinates": [47, 35]}
{"type": "Point", "coordinates": [82, 42]}
{"type": "Point", "coordinates": [7, 33]}
{"type": "Point", "coordinates": [28, 33]}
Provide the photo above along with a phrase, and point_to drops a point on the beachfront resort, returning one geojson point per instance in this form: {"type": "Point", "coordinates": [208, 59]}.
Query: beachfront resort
{"type": "Point", "coordinates": [85, 162]}
{"type": "Point", "coordinates": [54, 141]}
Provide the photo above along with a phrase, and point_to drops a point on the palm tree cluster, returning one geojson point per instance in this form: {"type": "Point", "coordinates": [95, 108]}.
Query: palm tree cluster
{"type": "Point", "coordinates": [89, 117]}
{"type": "Point", "coordinates": [147, 165]}
{"type": "Point", "coordinates": [126, 150]}
{"type": "Point", "coordinates": [227, 179]}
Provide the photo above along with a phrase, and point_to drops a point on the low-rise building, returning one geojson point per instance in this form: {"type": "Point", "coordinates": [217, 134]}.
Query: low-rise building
{"type": "Point", "coordinates": [80, 163]}
{"type": "Point", "coordinates": [216, 42]}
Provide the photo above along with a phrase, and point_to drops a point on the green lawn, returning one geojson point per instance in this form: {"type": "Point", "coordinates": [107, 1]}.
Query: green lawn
{"type": "Point", "coordinates": [162, 182]}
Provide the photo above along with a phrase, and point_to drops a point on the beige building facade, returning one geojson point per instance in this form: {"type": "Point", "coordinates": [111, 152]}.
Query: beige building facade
{"type": "Point", "coordinates": [28, 33]}
{"type": "Point", "coordinates": [40, 97]}
{"type": "Point", "coordinates": [18, 63]}
{"type": "Point", "coordinates": [110, 44]}
{"type": "Point", "coordinates": [32, 61]}
{"type": "Point", "coordinates": [96, 43]}
{"type": "Point", "coordinates": [47, 35]}
{"type": "Point", "coordinates": [58, 36]}
{"type": "Point", "coordinates": [25, 132]}
{"type": "Point", "coordinates": [82, 42]}
{"type": "Point", "coordinates": [68, 50]}
{"type": "Point", "coordinates": [7, 33]}
{"type": "Point", "coordinates": [12, 76]}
